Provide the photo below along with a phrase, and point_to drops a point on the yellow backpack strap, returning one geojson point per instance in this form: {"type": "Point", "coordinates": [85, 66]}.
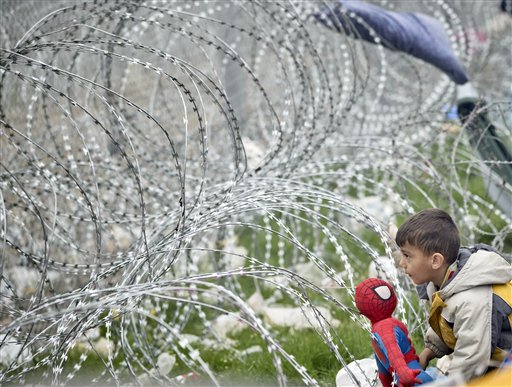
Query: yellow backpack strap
{"type": "Point", "coordinates": [504, 291]}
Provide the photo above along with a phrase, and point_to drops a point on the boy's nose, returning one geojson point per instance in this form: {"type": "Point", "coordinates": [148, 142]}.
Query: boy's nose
{"type": "Point", "coordinates": [402, 263]}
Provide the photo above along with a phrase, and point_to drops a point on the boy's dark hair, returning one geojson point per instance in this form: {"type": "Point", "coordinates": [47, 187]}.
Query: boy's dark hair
{"type": "Point", "coordinates": [432, 231]}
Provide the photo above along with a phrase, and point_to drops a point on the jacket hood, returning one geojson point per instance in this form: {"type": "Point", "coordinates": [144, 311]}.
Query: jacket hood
{"type": "Point", "coordinates": [477, 266]}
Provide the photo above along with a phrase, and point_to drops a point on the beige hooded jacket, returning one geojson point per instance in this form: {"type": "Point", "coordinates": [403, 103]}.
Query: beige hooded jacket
{"type": "Point", "coordinates": [469, 301]}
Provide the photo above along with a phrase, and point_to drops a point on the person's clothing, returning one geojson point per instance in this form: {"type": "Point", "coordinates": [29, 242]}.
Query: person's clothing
{"type": "Point", "coordinates": [435, 374]}
{"type": "Point", "coordinates": [385, 358]}
{"type": "Point", "coordinates": [506, 6]}
{"type": "Point", "coordinates": [470, 315]}
{"type": "Point", "coordinates": [414, 33]}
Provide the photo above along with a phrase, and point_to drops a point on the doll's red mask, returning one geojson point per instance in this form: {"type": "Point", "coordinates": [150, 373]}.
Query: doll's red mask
{"type": "Point", "coordinates": [375, 299]}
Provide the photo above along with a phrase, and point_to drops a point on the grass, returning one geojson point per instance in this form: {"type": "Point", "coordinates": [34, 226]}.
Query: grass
{"type": "Point", "coordinates": [307, 346]}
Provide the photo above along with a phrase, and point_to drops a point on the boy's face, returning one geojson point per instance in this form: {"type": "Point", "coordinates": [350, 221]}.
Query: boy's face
{"type": "Point", "coordinates": [416, 264]}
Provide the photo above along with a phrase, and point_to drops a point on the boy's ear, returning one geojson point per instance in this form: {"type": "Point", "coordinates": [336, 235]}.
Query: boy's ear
{"type": "Point", "coordinates": [437, 260]}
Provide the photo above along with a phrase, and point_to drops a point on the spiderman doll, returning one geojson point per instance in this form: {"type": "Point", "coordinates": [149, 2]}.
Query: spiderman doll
{"type": "Point", "coordinates": [396, 358]}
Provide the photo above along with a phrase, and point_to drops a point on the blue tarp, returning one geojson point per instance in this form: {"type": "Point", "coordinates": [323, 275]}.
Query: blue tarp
{"type": "Point", "coordinates": [413, 33]}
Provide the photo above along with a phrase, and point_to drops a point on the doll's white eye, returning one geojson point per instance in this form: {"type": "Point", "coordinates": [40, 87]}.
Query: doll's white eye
{"type": "Point", "coordinates": [383, 292]}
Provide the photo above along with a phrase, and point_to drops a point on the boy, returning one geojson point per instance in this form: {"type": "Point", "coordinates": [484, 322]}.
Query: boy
{"type": "Point", "coordinates": [470, 291]}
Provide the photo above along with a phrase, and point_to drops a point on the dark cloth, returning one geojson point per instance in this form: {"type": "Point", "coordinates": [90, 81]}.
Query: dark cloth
{"type": "Point", "coordinates": [413, 33]}
{"type": "Point", "coordinates": [506, 6]}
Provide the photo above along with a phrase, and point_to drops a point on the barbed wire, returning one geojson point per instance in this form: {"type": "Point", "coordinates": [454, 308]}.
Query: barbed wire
{"type": "Point", "coordinates": [164, 162]}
